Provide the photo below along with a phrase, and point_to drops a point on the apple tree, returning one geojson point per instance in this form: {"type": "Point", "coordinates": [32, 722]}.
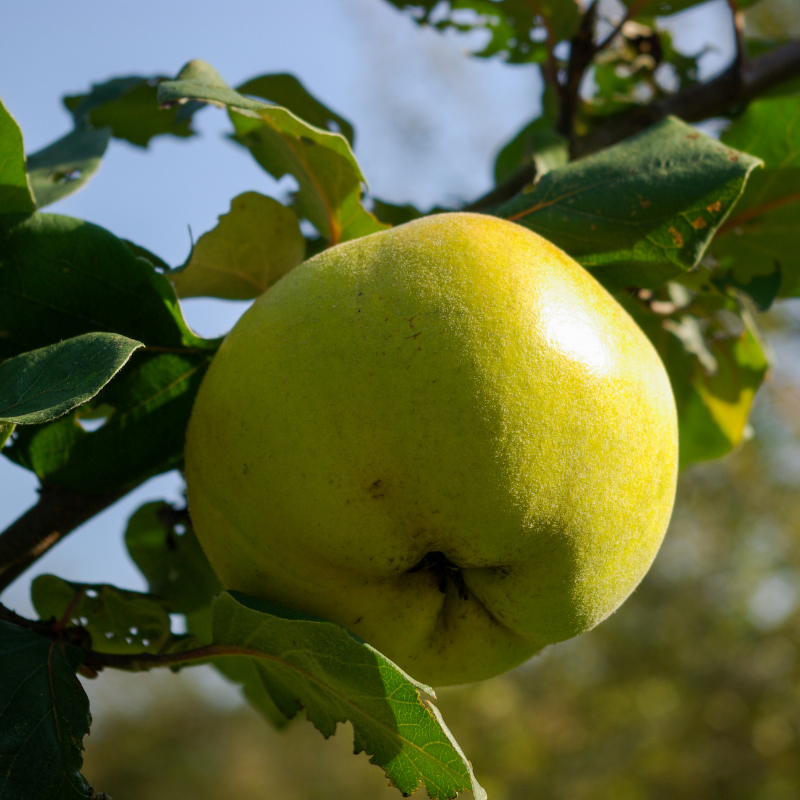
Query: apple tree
{"type": "Point", "coordinates": [694, 235]}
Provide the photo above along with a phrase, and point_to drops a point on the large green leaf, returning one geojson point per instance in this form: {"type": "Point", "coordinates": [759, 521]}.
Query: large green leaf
{"type": "Point", "coordinates": [162, 544]}
{"type": "Point", "coordinates": [142, 413]}
{"type": "Point", "coordinates": [16, 196]}
{"type": "Point", "coordinates": [642, 211]}
{"type": "Point", "coordinates": [117, 620]}
{"type": "Point", "coordinates": [42, 385]}
{"type": "Point", "coordinates": [254, 244]}
{"type": "Point", "coordinates": [309, 663]}
{"type": "Point", "coordinates": [329, 178]}
{"type": "Point", "coordinates": [129, 107]}
{"type": "Point", "coordinates": [762, 235]}
{"type": "Point", "coordinates": [66, 165]}
{"type": "Point", "coordinates": [44, 715]}
{"type": "Point", "coordinates": [62, 277]}
{"type": "Point", "coordinates": [285, 90]}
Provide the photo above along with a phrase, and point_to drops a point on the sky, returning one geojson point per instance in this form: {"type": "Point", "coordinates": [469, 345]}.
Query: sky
{"type": "Point", "coordinates": [428, 121]}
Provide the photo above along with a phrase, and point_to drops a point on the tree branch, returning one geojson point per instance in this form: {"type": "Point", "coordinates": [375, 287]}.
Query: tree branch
{"type": "Point", "coordinates": [581, 52]}
{"type": "Point", "coordinates": [57, 513]}
{"type": "Point", "coordinates": [736, 86]}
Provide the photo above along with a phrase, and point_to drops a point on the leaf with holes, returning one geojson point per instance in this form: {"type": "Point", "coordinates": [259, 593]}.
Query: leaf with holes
{"type": "Point", "coordinates": [304, 662]}
{"type": "Point", "coordinates": [44, 715]}
{"type": "Point", "coordinates": [118, 620]}
{"type": "Point", "coordinates": [43, 384]}
{"type": "Point", "coordinates": [329, 178]}
{"type": "Point", "coordinates": [129, 108]}
{"type": "Point", "coordinates": [254, 244]}
{"type": "Point", "coordinates": [162, 544]}
{"type": "Point", "coordinates": [16, 196]}
{"type": "Point", "coordinates": [642, 211]}
{"type": "Point", "coordinates": [761, 239]}
{"type": "Point", "coordinates": [66, 165]}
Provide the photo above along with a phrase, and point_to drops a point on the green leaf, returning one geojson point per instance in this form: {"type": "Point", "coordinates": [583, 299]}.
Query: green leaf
{"type": "Point", "coordinates": [44, 715]}
{"type": "Point", "coordinates": [285, 90]}
{"type": "Point", "coordinates": [254, 244]}
{"type": "Point", "coordinates": [161, 541]}
{"type": "Point", "coordinates": [660, 8]}
{"type": "Point", "coordinates": [117, 620]}
{"type": "Point", "coordinates": [129, 107]}
{"type": "Point", "coordinates": [16, 196]}
{"type": "Point", "coordinates": [62, 277]}
{"type": "Point", "coordinates": [44, 384]}
{"type": "Point", "coordinates": [516, 28]}
{"type": "Point", "coordinates": [66, 165]}
{"type": "Point", "coordinates": [537, 143]}
{"type": "Point", "coordinates": [144, 414]}
{"type": "Point", "coordinates": [306, 662]}
{"type": "Point", "coordinates": [393, 214]}
{"type": "Point", "coordinates": [763, 234]}
{"type": "Point", "coordinates": [329, 178]}
{"type": "Point", "coordinates": [642, 211]}
{"type": "Point", "coordinates": [715, 365]}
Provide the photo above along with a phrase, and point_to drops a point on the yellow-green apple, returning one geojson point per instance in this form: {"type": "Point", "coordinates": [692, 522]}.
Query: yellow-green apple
{"type": "Point", "coordinates": [447, 437]}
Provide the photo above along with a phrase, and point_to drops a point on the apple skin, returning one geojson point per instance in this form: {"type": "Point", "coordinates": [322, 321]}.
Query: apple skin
{"type": "Point", "coordinates": [459, 386]}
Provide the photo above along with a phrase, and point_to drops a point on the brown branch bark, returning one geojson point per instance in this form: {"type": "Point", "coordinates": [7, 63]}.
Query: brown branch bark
{"type": "Point", "coordinates": [736, 86]}
{"type": "Point", "coordinates": [58, 512]}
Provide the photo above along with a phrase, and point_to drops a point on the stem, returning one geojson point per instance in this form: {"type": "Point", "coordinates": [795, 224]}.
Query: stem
{"type": "Point", "coordinates": [134, 662]}
{"type": "Point", "coordinates": [57, 513]}
{"type": "Point", "coordinates": [582, 51]}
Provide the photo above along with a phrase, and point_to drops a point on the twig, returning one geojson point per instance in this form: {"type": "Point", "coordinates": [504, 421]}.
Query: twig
{"type": "Point", "coordinates": [95, 661]}
{"type": "Point", "coordinates": [57, 513]}
{"type": "Point", "coordinates": [728, 91]}
{"type": "Point", "coordinates": [582, 51]}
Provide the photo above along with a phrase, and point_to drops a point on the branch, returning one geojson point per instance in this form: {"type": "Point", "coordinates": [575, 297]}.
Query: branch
{"type": "Point", "coordinates": [730, 90]}
{"type": "Point", "coordinates": [581, 52]}
{"type": "Point", "coordinates": [57, 513]}
{"type": "Point", "coordinates": [94, 661]}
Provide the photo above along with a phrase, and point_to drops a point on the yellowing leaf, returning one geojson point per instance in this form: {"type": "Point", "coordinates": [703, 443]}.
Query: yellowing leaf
{"type": "Point", "coordinates": [254, 244]}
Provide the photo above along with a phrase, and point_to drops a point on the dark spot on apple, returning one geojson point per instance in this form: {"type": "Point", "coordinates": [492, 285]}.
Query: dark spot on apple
{"type": "Point", "coordinates": [374, 489]}
{"type": "Point", "coordinates": [245, 469]}
{"type": "Point", "coordinates": [358, 620]}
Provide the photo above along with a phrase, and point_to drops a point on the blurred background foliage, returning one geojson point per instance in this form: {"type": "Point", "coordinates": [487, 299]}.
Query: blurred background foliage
{"type": "Point", "coordinates": [691, 690]}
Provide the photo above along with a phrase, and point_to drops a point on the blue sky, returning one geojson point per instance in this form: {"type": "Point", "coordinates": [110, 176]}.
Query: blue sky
{"type": "Point", "coordinates": [428, 121]}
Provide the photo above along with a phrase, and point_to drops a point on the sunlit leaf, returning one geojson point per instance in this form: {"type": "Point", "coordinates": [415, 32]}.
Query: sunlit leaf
{"type": "Point", "coordinates": [285, 90]}
{"type": "Point", "coordinates": [309, 663]}
{"type": "Point", "coordinates": [329, 178]}
{"type": "Point", "coordinates": [254, 244]}
{"type": "Point", "coordinates": [642, 211]}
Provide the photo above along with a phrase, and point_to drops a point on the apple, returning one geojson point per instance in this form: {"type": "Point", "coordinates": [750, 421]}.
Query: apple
{"type": "Point", "coordinates": [447, 437]}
